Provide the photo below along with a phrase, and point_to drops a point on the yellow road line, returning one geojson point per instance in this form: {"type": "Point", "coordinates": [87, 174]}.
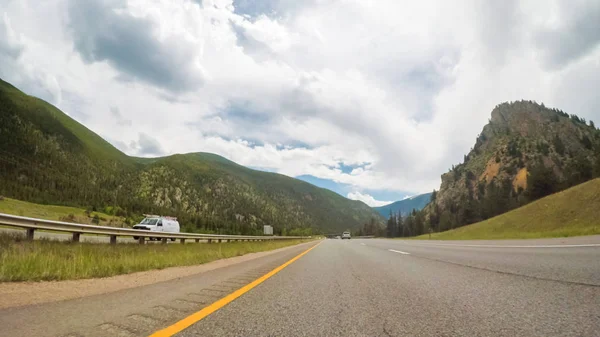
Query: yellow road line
{"type": "Point", "coordinates": [196, 317]}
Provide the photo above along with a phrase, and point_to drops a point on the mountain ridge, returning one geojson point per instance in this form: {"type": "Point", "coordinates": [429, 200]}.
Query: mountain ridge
{"type": "Point", "coordinates": [525, 152]}
{"type": "Point", "coordinates": [48, 157]}
{"type": "Point", "coordinates": [405, 206]}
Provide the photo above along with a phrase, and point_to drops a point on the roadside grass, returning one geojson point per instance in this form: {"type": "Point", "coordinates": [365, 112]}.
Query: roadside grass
{"type": "Point", "coordinates": [46, 260]}
{"type": "Point", "coordinates": [59, 213]}
{"type": "Point", "coordinates": [572, 212]}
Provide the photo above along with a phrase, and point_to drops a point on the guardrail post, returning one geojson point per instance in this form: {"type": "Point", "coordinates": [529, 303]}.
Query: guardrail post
{"type": "Point", "coordinates": [163, 241]}
{"type": "Point", "coordinates": [182, 240]}
{"type": "Point", "coordinates": [209, 241]}
{"type": "Point", "coordinates": [198, 240]}
{"type": "Point", "coordinates": [219, 240]}
{"type": "Point", "coordinates": [142, 240]}
{"type": "Point", "coordinates": [76, 237]}
{"type": "Point", "coordinates": [30, 232]}
{"type": "Point", "coordinates": [113, 239]}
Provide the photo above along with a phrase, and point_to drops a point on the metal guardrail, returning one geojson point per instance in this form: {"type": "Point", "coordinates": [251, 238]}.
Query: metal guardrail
{"type": "Point", "coordinates": [33, 224]}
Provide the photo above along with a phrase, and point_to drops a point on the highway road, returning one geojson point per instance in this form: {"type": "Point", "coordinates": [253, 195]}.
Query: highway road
{"type": "Point", "coordinates": [371, 287]}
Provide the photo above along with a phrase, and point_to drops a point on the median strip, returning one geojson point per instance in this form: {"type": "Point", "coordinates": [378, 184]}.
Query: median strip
{"type": "Point", "coordinates": [196, 317]}
{"type": "Point", "coordinates": [399, 252]}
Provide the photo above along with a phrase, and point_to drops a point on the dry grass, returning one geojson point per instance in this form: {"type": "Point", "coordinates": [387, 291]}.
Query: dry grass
{"type": "Point", "coordinates": [491, 170]}
{"type": "Point", "coordinates": [520, 179]}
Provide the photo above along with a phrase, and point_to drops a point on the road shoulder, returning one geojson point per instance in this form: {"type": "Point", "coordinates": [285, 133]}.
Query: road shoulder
{"type": "Point", "coordinates": [28, 293]}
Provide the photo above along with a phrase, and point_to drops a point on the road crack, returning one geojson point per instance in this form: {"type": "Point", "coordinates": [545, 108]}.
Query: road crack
{"type": "Point", "coordinates": [510, 273]}
{"type": "Point", "coordinates": [385, 329]}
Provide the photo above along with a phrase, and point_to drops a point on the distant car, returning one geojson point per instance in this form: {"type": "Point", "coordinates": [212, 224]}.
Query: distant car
{"type": "Point", "coordinates": [338, 237]}
{"type": "Point", "coordinates": [156, 223]}
{"type": "Point", "coordinates": [346, 235]}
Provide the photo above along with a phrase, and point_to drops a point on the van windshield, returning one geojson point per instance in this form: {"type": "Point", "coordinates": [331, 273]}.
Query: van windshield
{"type": "Point", "coordinates": [149, 221]}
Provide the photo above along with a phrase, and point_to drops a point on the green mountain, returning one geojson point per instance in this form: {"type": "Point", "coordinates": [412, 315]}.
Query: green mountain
{"type": "Point", "coordinates": [405, 206]}
{"type": "Point", "coordinates": [525, 152]}
{"type": "Point", "coordinates": [47, 157]}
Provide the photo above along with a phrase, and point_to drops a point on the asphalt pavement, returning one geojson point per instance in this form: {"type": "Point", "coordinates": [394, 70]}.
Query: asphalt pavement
{"type": "Point", "coordinates": [415, 288]}
{"type": "Point", "coordinates": [370, 287]}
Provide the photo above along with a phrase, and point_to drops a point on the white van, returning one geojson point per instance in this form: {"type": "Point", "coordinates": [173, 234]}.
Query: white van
{"type": "Point", "coordinates": [157, 223]}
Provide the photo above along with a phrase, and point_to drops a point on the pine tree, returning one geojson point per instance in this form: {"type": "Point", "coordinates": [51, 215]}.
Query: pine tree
{"type": "Point", "coordinates": [408, 223]}
{"type": "Point", "coordinates": [587, 143]}
{"type": "Point", "coordinates": [390, 226]}
{"type": "Point", "coordinates": [400, 231]}
{"type": "Point", "coordinates": [419, 222]}
{"type": "Point", "coordinates": [596, 168]}
{"type": "Point", "coordinates": [579, 170]}
{"type": "Point", "coordinates": [541, 182]}
{"type": "Point", "coordinates": [434, 217]}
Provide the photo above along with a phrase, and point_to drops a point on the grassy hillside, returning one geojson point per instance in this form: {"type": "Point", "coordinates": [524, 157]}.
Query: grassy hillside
{"type": "Point", "coordinates": [48, 158]}
{"type": "Point", "coordinates": [59, 213]}
{"type": "Point", "coordinates": [572, 212]}
{"type": "Point", "coordinates": [405, 206]}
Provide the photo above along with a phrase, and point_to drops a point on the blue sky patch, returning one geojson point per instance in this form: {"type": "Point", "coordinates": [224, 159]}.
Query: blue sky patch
{"type": "Point", "coordinates": [344, 189]}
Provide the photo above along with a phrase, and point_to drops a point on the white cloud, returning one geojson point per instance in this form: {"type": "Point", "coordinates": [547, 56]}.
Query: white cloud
{"type": "Point", "coordinates": [367, 199]}
{"type": "Point", "coordinates": [15, 65]}
{"type": "Point", "coordinates": [403, 86]}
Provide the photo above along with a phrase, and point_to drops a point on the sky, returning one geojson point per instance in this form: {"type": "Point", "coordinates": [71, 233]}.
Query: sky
{"type": "Point", "coordinates": [371, 99]}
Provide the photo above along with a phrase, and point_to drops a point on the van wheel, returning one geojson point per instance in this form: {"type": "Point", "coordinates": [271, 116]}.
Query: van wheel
{"type": "Point", "coordinates": [135, 237]}
{"type": "Point", "coordinates": [172, 239]}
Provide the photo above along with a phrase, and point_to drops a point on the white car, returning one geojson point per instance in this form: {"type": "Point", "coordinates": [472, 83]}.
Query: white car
{"type": "Point", "coordinates": [346, 235]}
{"type": "Point", "coordinates": [156, 223]}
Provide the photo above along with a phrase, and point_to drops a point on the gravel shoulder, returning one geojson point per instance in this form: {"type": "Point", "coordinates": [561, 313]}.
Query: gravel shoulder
{"type": "Point", "coordinates": [28, 293]}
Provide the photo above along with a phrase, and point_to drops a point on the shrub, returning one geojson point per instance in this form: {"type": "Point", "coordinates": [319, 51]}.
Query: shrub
{"type": "Point", "coordinates": [586, 142]}
{"type": "Point", "coordinates": [558, 145]}
{"type": "Point", "coordinates": [68, 218]}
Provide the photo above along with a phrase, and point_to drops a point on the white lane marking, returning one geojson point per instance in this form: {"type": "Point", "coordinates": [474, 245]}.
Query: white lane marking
{"type": "Point", "coordinates": [399, 252]}
{"type": "Point", "coordinates": [362, 244]}
{"type": "Point", "coordinates": [507, 246]}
